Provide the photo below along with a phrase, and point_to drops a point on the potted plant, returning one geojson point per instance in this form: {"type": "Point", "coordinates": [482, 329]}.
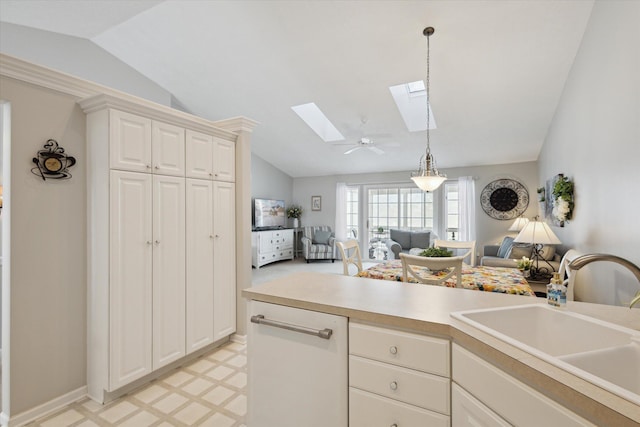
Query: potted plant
{"type": "Point", "coordinates": [524, 265]}
{"type": "Point", "coordinates": [436, 252]}
{"type": "Point", "coordinates": [295, 212]}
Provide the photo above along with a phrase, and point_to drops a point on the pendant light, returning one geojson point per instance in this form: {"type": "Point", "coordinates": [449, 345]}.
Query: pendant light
{"type": "Point", "coordinates": [427, 177]}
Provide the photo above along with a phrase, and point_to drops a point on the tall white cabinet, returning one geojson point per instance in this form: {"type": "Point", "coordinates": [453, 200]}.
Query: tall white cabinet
{"type": "Point", "coordinates": [162, 250]}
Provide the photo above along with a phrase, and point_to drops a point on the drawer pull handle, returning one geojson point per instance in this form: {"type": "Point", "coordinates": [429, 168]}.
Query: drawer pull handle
{"type": "Point", "coordinates": [393, 349]}
{"type": "Point", "coordinates": [393, 386]}
{"type": "Point", "coordinates": [320, 333]}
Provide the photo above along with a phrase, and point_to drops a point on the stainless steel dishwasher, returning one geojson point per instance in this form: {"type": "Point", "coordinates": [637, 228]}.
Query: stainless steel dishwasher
{"type": "Point", "coordinates": [297, 367]}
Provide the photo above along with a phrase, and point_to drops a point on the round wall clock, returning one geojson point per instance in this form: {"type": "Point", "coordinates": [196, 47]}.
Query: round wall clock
{"type": "Point", "coordinates": [504, 199]}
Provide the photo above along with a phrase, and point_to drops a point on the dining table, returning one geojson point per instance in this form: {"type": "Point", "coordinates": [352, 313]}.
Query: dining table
{"type": "Point", "coordinates": [479, 278]}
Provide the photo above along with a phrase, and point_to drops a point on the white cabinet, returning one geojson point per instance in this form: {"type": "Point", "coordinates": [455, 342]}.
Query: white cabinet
{"type": "Point", "coordinates": [209, 157]}
{"type": "Point", "coordinates": [162, 249]}
{"type": "Point", "coordinates": [296, 379]}
{"type": "Point", "coordinates": [467, 411]}
{"type": "Point", "coordinates": [168, 269]}
{"type": "Point", "coordinates": [504, 396]}
{"type": "Point", "coordinates": [224, 261]}
{"type": "Point", "coordinates": [397, 377]}
{"type": "Point", "coordinates": [130, 277]}
{"type": "Point", "coordinates": [199, 256]}
{"type": "Point", "coordinates": [167, 150]}
{"type": "Point", "coordinates": [130, 142]}
{"type": "Point", "coordinates": [270, 246]}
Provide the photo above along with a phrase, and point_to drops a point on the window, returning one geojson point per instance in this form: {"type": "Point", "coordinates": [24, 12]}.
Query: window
{"type": "Point", "coordinates": [353, 211]}
{"type": "Point", "coordinates": [398, 207]}
{"type": "Point", "coordinates": [452, 211]}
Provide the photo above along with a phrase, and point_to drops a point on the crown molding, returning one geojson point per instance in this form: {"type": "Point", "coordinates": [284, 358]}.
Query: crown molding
{"type": "Point", "coordinates": [93, 97]}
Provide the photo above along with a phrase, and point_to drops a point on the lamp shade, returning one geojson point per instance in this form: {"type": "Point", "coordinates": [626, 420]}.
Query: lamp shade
{"type": "Point", "coordinates": [537, 232]}
{"type": "Point", "coordinates": [428, 182]}
{"type": "Point", "coordinates": [519, 224]}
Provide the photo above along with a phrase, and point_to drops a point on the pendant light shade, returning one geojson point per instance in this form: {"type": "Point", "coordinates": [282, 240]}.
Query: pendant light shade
{"type": "Point", "coordinates": [427, 177]}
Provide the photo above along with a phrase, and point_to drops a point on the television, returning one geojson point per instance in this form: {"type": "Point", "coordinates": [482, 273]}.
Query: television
{"type": "Point", "coordinates": [268, 214]}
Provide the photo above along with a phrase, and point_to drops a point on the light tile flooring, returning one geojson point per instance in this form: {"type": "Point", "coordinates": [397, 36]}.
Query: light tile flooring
{"type": "Point", "coordinates": [209, 392]}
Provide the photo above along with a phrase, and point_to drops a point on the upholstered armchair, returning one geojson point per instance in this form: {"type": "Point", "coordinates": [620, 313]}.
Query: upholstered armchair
{"type": "Point", "coordinates": [318, 242]}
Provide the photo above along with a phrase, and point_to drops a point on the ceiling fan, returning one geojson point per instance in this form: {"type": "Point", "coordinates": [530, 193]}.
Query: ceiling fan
{"type": "Point", "coordinates": [363, 142]}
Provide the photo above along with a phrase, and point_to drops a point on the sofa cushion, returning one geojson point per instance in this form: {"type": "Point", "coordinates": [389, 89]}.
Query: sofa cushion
{"type": "Point", "coordinates": [548, 252]}
{"type": "Point", "coordinates": [420, 239]}
{"type": "Point", "coordinates": [518, 250]}
{"type": "Point", "coordinates": [321, 237]}
{"type": "Point", "coordinates": [505, 247]}
{"type": "Point", "coordinates": [403, 238]}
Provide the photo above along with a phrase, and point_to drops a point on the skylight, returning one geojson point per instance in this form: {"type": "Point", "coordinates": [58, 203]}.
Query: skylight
{"type": "Point", "coordinates": [317, 121]}
{"type": "Point", "coordinates": [411, 100]}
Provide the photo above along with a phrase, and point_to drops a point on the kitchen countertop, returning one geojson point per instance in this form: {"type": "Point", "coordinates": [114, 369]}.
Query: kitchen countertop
{"type": "Point", "coordinates": [426, 309]}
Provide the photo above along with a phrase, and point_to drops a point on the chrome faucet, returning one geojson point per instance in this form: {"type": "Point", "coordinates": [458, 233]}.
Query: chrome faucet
{"type": "Point", "coordinates": [583, 260]}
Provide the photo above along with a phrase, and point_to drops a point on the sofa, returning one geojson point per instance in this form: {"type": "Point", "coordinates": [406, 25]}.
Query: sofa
{"type": "Point", "coordinates": [507, 254]}
{"type": "Point", "coordinates": [402, 241]}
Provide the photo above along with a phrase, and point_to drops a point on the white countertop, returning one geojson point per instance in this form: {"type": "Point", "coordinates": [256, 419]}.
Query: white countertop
{"type": "Point", "coordinates": [427, 309]}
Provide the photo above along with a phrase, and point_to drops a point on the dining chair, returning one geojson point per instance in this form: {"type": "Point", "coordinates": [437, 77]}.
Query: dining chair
{"type": "Point", "coordinates": [567, 273]}
{"type": "Point", "coordinates": [454, 264]}
{"type": "Point", "coordinates": [354, 258]}
{"type": "Point", "coordinates": [455, 244]}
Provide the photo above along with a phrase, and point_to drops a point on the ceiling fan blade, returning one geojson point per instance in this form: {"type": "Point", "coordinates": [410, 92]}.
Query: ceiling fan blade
{"type": "Point", "coordinates": [351, 150]}
{"type": "Point", "coordinates": [390, 144]}
{"type": "Point", "coordinates": [376, 150]}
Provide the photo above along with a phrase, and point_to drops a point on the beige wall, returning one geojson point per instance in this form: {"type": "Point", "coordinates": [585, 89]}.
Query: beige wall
{"type": "Point", "coordinates": [48, 249]}
{"type": "Point", "coordinates": [595, 140]}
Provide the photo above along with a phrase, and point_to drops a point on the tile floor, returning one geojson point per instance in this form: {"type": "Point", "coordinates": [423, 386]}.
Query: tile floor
{"type": "Point", "coordinates": [209, 392]}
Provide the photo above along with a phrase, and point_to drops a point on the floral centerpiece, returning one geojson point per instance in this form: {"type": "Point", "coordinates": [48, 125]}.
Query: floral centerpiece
{"type": "Point", "coordinates": [524, 265]}
{"type": "Point", "coordinates": [295, 212]}
{"type": "Point", "coordinates": [436, 252]}
{"type": "Point", "coordinates": [563, 199]}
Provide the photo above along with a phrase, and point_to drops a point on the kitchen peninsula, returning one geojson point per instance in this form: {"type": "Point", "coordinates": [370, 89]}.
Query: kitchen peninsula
{"type": "Point", "coordinates": [446, 357]}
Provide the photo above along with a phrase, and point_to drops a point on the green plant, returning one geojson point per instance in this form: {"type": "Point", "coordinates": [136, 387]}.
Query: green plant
{"type": "Point", "coordinates": [436, 252]}
{"type": "Point", "coordinates": [380, 229]}
{"type": "Point", "coordinates": [541, 193]}
{"type": "Point", "coordinates": [524, 263]}
{"type": "Point", "coordinates": [563, 198]}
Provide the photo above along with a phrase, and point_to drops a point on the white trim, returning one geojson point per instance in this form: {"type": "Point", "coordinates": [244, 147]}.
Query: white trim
{"type": "Point", "coordinates": [46, 408]}
{"type": "Point", "coordinates": [240, 339]}
{"type": "Point", "coordinates": [5, 312]}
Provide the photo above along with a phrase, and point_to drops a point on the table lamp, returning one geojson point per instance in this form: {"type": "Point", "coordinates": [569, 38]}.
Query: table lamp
{"type": "Point", "coordinates": [538, 233]}
{"type": "Point", "coordinates": [519, 224]}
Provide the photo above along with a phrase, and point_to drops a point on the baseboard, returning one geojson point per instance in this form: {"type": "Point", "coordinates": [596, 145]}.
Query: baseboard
{"type": "Point", "coordinates": [240, 339]}
{"type": "Point", "coordinates": [44, 409]}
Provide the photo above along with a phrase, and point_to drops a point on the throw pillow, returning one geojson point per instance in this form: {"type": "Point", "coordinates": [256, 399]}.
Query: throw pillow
{"type": "Point", "coordinates": [518, 250]}
{"type": "Point", "coordinates": [403, 238]}
{"type": "Point", "coordinates": [321, 237]}
{"type": "Point", "coordinates": [505, 247]}
{"type": "Point", "coordinates": [420, 239]}
{"type": "Point", "coordinates": [548, 252]}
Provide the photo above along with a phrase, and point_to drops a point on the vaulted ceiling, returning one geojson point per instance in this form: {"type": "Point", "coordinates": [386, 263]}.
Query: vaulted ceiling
{"type": "Point", "coordinates": [498, 69]}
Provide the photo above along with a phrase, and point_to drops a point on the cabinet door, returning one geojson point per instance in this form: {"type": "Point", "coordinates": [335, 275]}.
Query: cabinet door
{"type": "Point", "coordinates": [130, 142]}
{"type": "Point", "coordinates": [167, 149]}
{"type": "Point", "coordinates": [467, 411]}
{"type": "Point", "coordinates": [224, 259]}
{"type": "Point", "coordinates": [130, 285]}
{"type": "Point", "coordinates": [168, 269]}
{"type": "Point", "coordinates": [199, 161]}
{"type": "Point", "coordinates": [199, 233]}
{"type": "Point", "coordinates": [224, 160]}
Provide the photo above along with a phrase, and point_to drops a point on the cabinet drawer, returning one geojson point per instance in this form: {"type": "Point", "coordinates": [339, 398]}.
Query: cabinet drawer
{"type": "Point", "coordinates": [370, 410]}
{"type": "Point", "coordinates": [416, 388]}
{"type": "Point", "coordinates": [513, 400]}
{"type": "Point", "coordinates": [467, 411]}
{"type": "Point", "coordinates": [406, 349]}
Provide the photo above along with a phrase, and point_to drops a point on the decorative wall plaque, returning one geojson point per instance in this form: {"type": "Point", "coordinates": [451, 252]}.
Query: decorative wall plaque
{"type": "Point", "coordinates": [52, 162]}
{"type": "Point", "coordinates": [504, 199]}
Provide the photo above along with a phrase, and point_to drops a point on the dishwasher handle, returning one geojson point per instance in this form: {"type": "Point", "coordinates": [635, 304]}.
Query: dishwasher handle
{"type": "Point", "coordinates": [320, 333]}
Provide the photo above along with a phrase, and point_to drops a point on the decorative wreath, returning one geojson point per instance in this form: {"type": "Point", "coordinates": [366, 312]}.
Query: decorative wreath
{"type": "Point", "coordinates": [504, 199]}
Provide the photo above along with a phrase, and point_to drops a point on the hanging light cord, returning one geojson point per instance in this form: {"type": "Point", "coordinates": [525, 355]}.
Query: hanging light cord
{"type": "Point", "coordinates": [428, 31]}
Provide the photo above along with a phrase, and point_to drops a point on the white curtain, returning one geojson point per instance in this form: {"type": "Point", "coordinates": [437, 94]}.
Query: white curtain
{"type": "Point", "coordinates": [467, 208]}
{"type": "Point", "coordinates": [341, 212]}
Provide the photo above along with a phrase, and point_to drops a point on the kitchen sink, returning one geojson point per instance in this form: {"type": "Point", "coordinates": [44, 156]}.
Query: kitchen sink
{"type": "Point", "coordinates": [602, 353]}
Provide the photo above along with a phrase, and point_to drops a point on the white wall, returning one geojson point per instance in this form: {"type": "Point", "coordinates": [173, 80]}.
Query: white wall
{"type": "Point", "coordinates": [269, 182]}
{"type": "Point", "coordinates": [489, 230]}
{"type": "Point", "coordinates": [595, 140]}
{"type": "Point", "coordinates": [78, 57]}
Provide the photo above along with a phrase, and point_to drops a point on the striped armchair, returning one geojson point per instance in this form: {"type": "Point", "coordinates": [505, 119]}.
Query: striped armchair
{"type": "Point", "coordinates": [318, 242]}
